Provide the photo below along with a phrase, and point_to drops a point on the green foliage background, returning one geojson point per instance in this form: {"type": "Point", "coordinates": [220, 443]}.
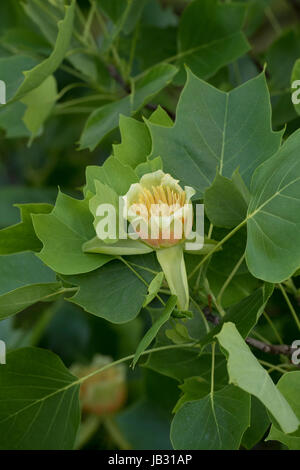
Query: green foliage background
{"type": "Point", "coordinates": [100, 92]}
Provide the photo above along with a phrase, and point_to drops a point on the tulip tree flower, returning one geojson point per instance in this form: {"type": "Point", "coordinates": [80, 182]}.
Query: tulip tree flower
{"type": "Point", "coordinates": [160, 213]}
{"type": "Point", "coordinates": [160, 216]}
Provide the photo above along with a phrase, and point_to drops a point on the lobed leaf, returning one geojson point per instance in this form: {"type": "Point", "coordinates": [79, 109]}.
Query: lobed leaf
{"type": "Point", "coordinates": [63, 233]}
{"type": "Point", "coordinates": [211, 132]}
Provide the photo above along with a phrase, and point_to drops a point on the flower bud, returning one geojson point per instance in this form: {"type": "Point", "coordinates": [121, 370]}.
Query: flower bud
{"type": "Point", "coordinates": [103, 393]}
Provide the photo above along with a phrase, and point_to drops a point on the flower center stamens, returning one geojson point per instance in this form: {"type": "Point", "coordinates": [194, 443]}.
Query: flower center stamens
{"type": "Point", "coordinates": [161, 196]}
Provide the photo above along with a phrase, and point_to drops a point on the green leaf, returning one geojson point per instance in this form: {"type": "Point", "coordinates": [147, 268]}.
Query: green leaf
{"type": "Point", "coordinates": [161, 117]}
{"type": "Point", "coordinates": [105, 119]}
{"type": "Point", "coordinates": [113, 292]}
{"type": "Point", "coordinates": [121, 247]}
{"type": "Point", "coordinates": [193, 389]}
{"type": "Point", "coordinates": [149, 167]}
{"type": "Point", "coordinates": [224, 204]}
{"type": "Point", "coordinates": [273, 250]}
{"type": "Point", "coordinates": [240, 185]}
{"type": "Point", "coordinates": [46, 15]}
{"type": "Point", "coordinates": [40, 102]}
{"type": "Point", "coordinates": [25, 280]}
{"type": "Point", "coordinates": [156, 44]}
{"type": "Point", "coordinates": [283, 110]}
{"type": "Point", "coordinates": [289, 386]}
{"type": "Point", "coordinates": [153, 288]}
{"type": "Point", "coordinates": [37, 75]}
{"type": "Point", "coordinates": [159, 15]}
{"type": "Point", "coordinates": [10, 195]}
{"type": "Point", "coordinates": [136, 142]}
{"type": "Point", "coordinates": [39, 402]}
{"type": "Point", "coordinates": [182, 363]}
{"type": "Point", "coordinates": [246, 372]}
{"type": "Point", "coordinates": [145, 425]}
{"type": "Point", "coordinates": [259, 424]}
{"type": "Point", "coordinates": [281, 57]}
{"type": "Point", "coordinates": [246, 313]}
{"type": "Point", "coordinates": [25, 118]}
{"type": "Point", "coordinates": [112, 173]}
{"type": "Point", "coordinates": [63, 233]}
{"type": "Point", "coordinates": [25, 40]}
{"type": "Point", "coordinates": [136, 8]}
{"type": "Point", "coordinates": [22, 237]}
{"type": "Point", "coordinates": [214, 129]}
{"type": "Point", "coordinates": [217, 421]}
{"type": "Point", "coordinates": [106, 195]}
{"type": "Point", "coordinates": [179, 334]}
{"type": "Point", "coordinates": [11, 120]}
{"type": "Point", "coordinates": [210, 36]}
{"type": "Point", "coordinates": [208, 246]}
{"type": "Point", "coordinates": [224, 261]}
{"type": "Point", "coordinates": [11, 70]}
{"type": "Point", "coordinates": [152, 332]}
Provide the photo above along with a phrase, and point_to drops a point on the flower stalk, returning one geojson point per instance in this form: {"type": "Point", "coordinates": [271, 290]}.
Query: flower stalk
{"type": "Point", "coordinates": [172, 263]}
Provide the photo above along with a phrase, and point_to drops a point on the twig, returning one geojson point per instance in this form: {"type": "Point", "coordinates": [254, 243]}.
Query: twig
{"type": "Point", "coordinates": [270, 348]}
{"type": "Point", "coordinates": [283, 349]}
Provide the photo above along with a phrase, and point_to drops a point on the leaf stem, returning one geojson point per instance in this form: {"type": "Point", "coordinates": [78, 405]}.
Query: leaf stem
{"type": "Point", "coordinates": [132, 50]}
{"type": "Point", "coordinates": [85, 99]}
{"type": "Point", "coordinates": [273, 327]}
{"type": "Point", "coordinates": [43, 322]}
{"type": "Point", "coordinates": [229, 279]}
{"type": "Point", "coordinates": [114, 51]}
{"type": "Point", "coordinates": [70, 87]}
{"type": "Point", "coordinates": [289, 304]}
{"type": "Point", "coordinates": [212, 382]}
{"type": "Point", "coordinates": [201, 313]}
{"type": "Point", "coordinates": [273, 20]}
{"type": "Point", "coordinates": [116, 434]}
{"type": "Point", "coordinates": [129, 358]}
{"type": "Point", "coordinates": [139, 277]}
{"type": "Point", "coordinates": [197, 284]}
{"type": "Point", "coordinates": [88, 23]}
{"type": "Point", "coordinates": [86, 431]}
{"type": "Point", "coordinates": [216, 247]}
{"type": "Point", "coordinates": [272, 366]}
{"type": "Point", "coordinates": [143, 268]}
{"type": "Point", "coordinates": [216, 303]}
